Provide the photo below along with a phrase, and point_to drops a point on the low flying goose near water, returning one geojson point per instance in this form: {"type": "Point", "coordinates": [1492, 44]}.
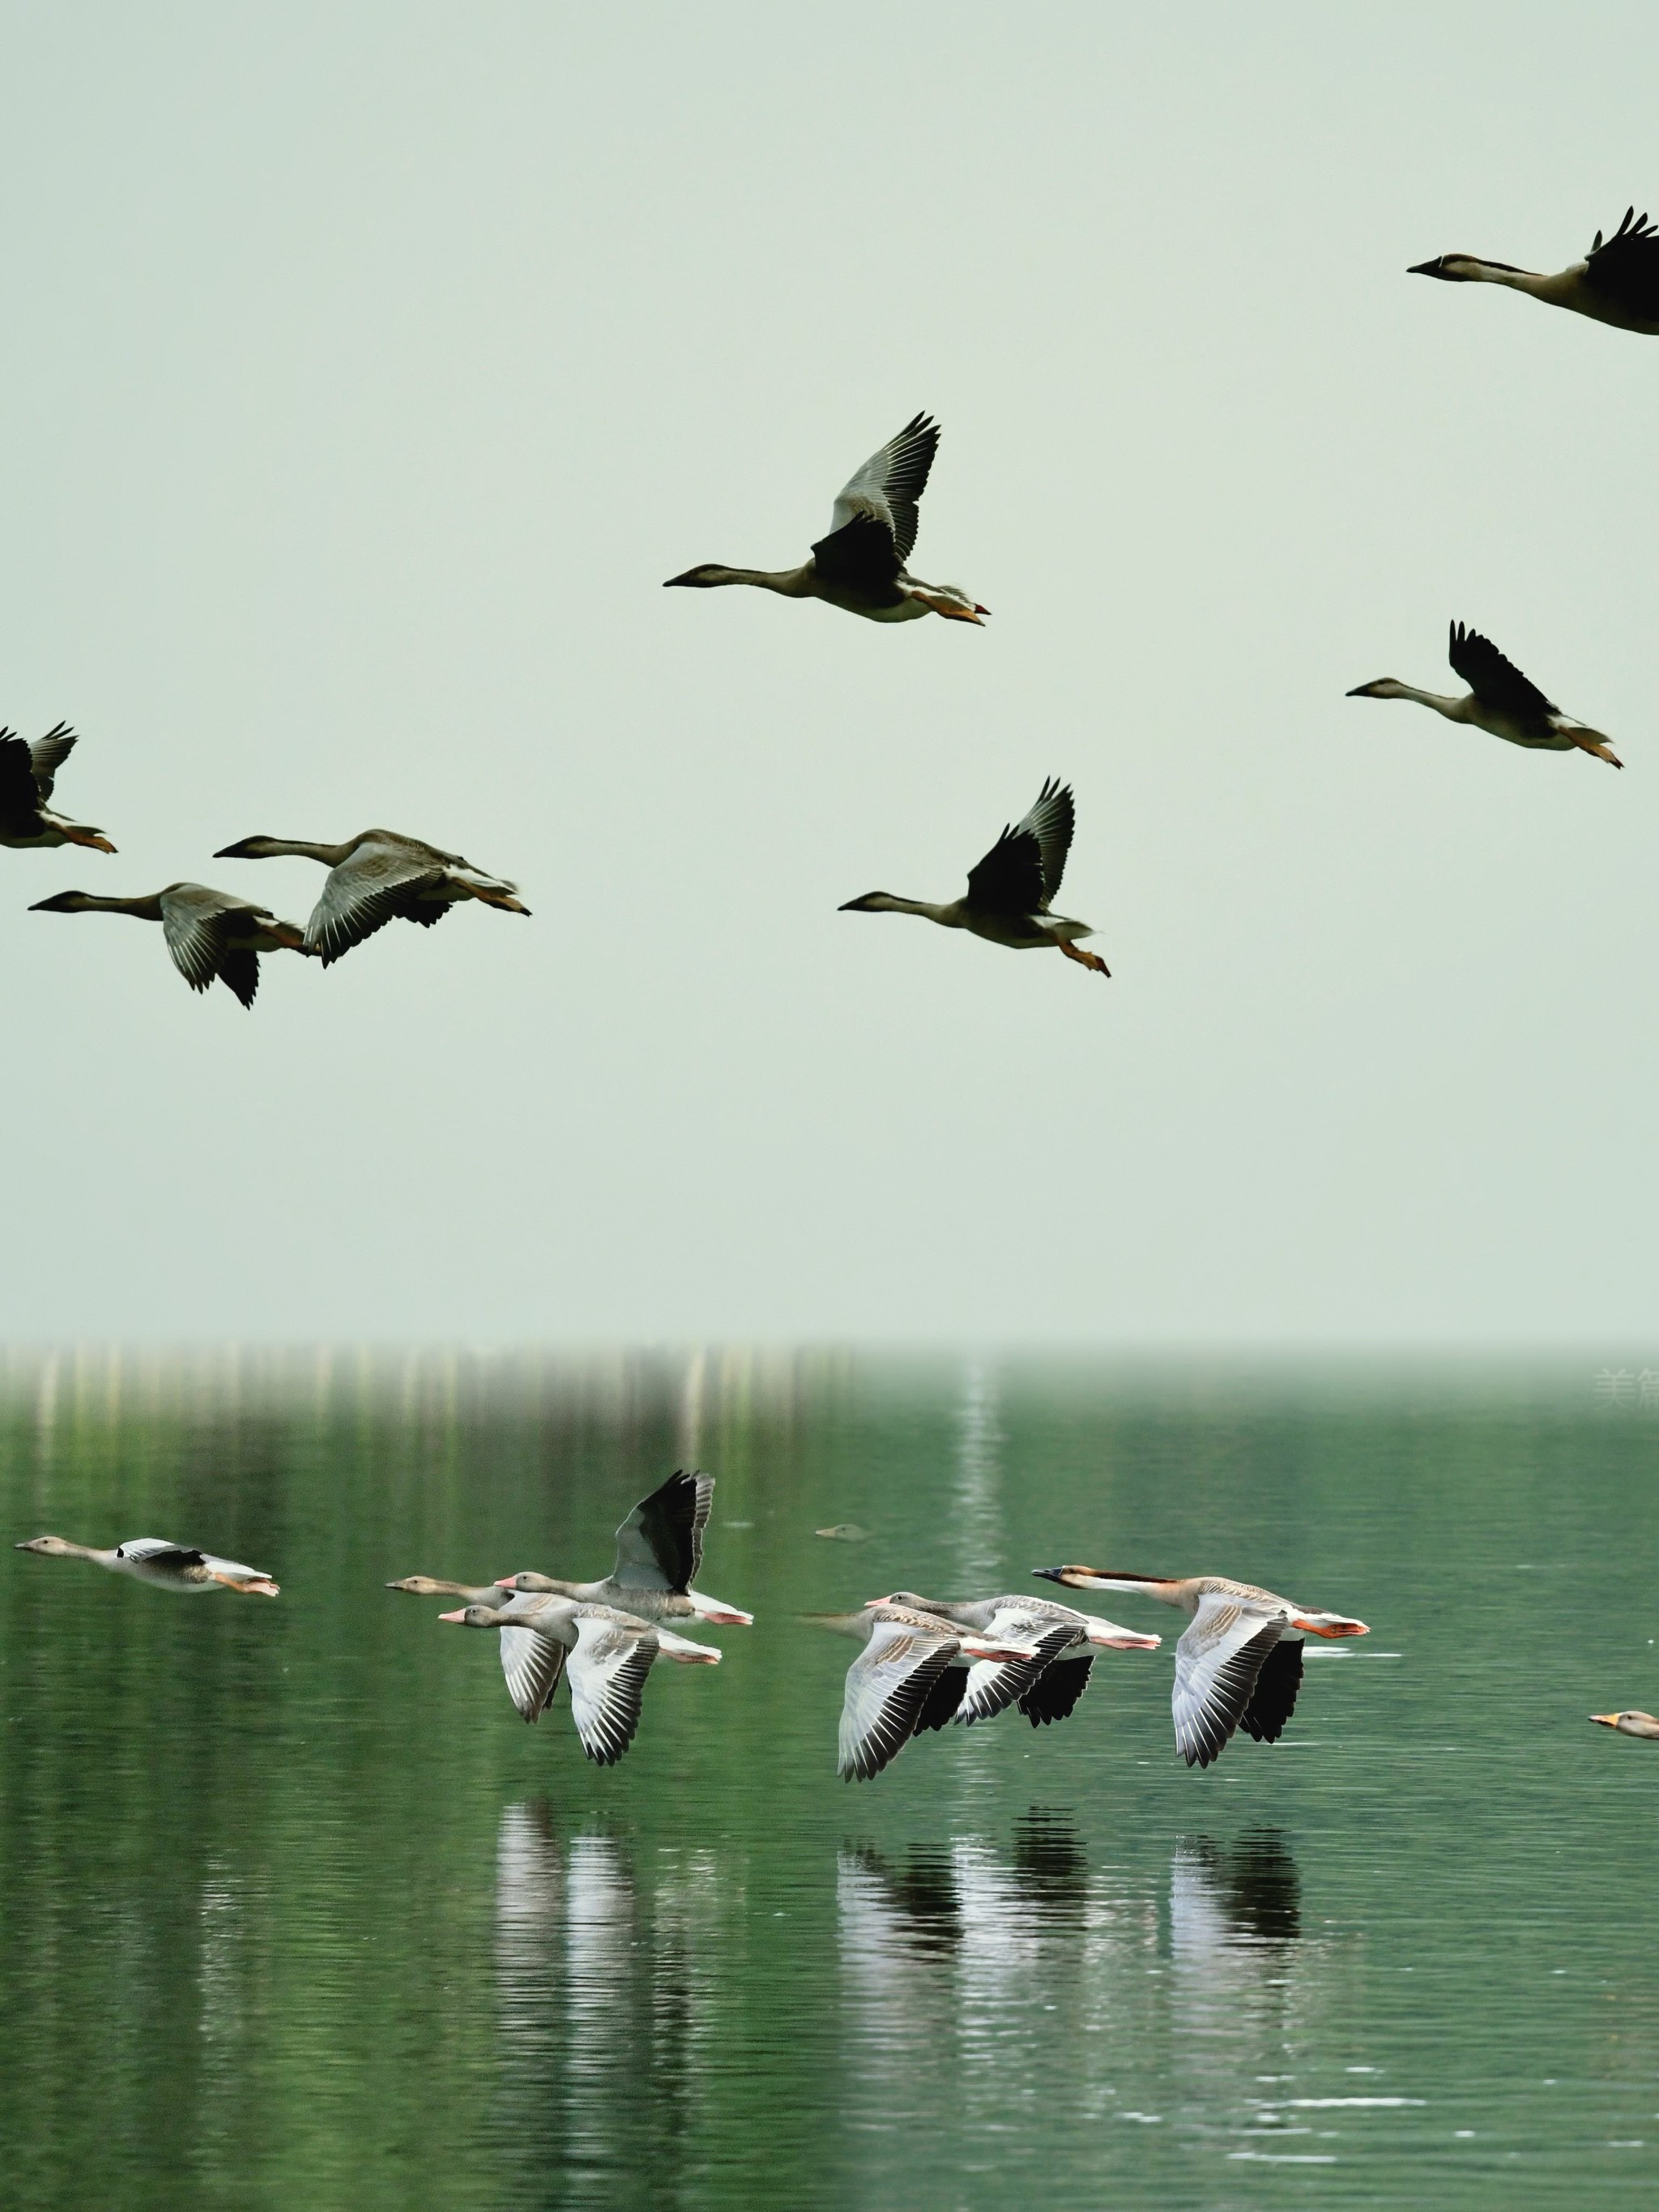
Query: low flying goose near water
{"type": "Point", "coordinates": [153, 1559]}
{"type": "Point", "coordinates": [1501, 701]}
{"type": "Point", "coordinates": [27, 772]}
{"type": "Point", "coordinates": [1238, 1665]}
{"type": "Point", "coordinates": [208, 933]}
{"type": "Point", "coordinates": [897, 1686]}
{"type": "Point", "coordinates": [1638, 1724]}
{"type": "Point", "coordinates": [1009, 892]}
{"type": "Point", "coordinates": [860, 565]}
{"type": "Point", "coordinates": [1617, 282]}
{"type": "Point", "coordinates": [658, 1554]}
{"type": "Point", "coordinates": [1046, 1688]}
{"type": "Point", "coordinates": [377, 876]}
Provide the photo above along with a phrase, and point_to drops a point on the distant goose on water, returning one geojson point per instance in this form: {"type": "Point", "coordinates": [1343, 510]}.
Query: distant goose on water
{"type": "Point", "coordinates": [208, 933]}
{"type": "Point", "coordinates": [1009, 891]}
{"type": "Point", "coordinates": [900, 1684]}
{"type": "Point", "coordinates": [658, 1554]}
{"type": "Point", "coordinates": [859, 566]}
{"type": "Point", "coordinates": [1616, 282]}
{"type": "Point", "coordinates": [377, 876]}
{"type": "Point", "coordinates": [1638, 1724]}
{"type": "Point", "coordinates": [606, 1653]}
{"type": "Point", "coordinates": [27, 772]}
{"type": "Point", "coordinates": [153, 1559]}
{"type": "Point", "coordinates": [1045, 1688]}
{"type": "Point", "coordinates": [1238, 1665]}
{"type": "Point", "coordinates": [1501, 701]}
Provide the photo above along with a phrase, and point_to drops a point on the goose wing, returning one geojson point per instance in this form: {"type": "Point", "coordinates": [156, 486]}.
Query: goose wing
{"type": "Point", "coordinates": [1625, 270]}
{"type": "Point", "coordinates": [660, 1546]}
{"type": "Point", "coordinates": [19, 793]}
{"type": "Point", "coordinates": [1022, 872]}
{"type": "Point", "coordinates": [887, 1688]}
{"type": "Point", "coordinates": [994, 1685]}
{"type": "Point", "coordinates": [194, 922]}
{"type": "Point", "coordinates": [1217, 1663]}
{"type": "Point", "coordinates": [532, 1665]}
{"type": "Point", "coordinates": [374, 885]}
{"type": "Point", "coordinates": [1054, 1695]}
{"type": "Point", "coordinates": [159, 1552]}
{"type": "Point", "coordinates": [1494, 680]}
{"type": "Point", "coordinates": [1274, 1698]}
{"type": "Point", "coordinates": [48, 754]}
{"type": "Point", "coordinates": [608, 1669]}
{"type": "Point", "coordinates": [886, 489]}
{"type": "Point", "coordinates": [860, 557]}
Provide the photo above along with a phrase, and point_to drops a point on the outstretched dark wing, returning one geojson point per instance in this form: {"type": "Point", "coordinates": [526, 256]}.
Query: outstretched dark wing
{"type": "Point", "coordinates": [660, 1546]}
{"type": "Point", "coordinates": [1625, 271]}
{"type": "Point", "coordinates": [1056, 1691]}
{"type": "Point", "coordinates": [1022, 872]}
{"type": "Point", "coordinates": [19, 794]}
{"type": "Point", "coordinates": [1495, 681]}
{"type": "Point", "coordinates": [48, 754]}
{"type": "Point", "coordinates": [890, 483]}
{"type": "Point", "coordinates": [938, 1707]}
{"type": "Point", "coordinates": [860, 556]}
{"type": "Point", "coordinates": [240, 970]}
{"type": "Point", "coordinates": [1274, 1698]}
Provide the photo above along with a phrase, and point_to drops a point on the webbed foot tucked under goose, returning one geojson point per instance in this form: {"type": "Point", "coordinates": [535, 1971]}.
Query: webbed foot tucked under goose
{"type": "Point", "coordinates": [153, 1560]}
{"type": "Point", "coordinates": [1046, 1687]}
{"type": "Point", "coordinates": [1240, 1663]}
{"type": "Point", "coordinates": [1616, 282]}
{"type": "Point", "coordinates": [910, 1677]}
{"type": "Point", "coordinates": [377, 876]}
{"type": "Point", "coordinates": [1008, 895]}
{"type": "Point", "coordinates": [658, 1554]}
{"type": "Point", "coordinates": [1500, 700]}
{"type": "Point", "coordinates": [27, 772]}
{"type": "Point", "coordinates": [860, 565]}
{"type": "Point", "coordinates": [209, 932]}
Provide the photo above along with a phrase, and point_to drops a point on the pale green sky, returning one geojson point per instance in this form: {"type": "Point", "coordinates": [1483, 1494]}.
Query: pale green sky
{"type": "Point", "coordinates": [370, 366]}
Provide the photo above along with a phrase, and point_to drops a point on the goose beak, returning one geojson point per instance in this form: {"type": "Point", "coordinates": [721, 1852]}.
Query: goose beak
{"type": "Point", "coordinates": [1330, 1627]}
{"type": "Point", "coordinates": [1425, 268]}
{"type": "Point", "coordinates": [458, 1614]}
{"type": "Point", "coordinates": [1127, 1643]}
{"type": "Point", "coordinates": [1605, 1720]}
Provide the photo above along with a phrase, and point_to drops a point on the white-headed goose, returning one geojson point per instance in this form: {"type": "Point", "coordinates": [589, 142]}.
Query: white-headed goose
{"type": "Point", "coordinates": [1238, 1665]}
{"type": "Point", "coordinates": [1007, 900]}
{"type": "Point", "coordinates": [897, 1686]}
{"type": "Point", "coordinates": [27, 772]}
{"type": "Point", "coordinates": [208, 933]}
{"type": "Point", "coordinates": [1637, 1724]}
{"type": "Point", "coordinates": [1500, 700]}
{"type": "Point", "coordinates": [860, 565]}
{"type": "Point", "coordinates": [659, 1554]}
{"type": "Point", "coordinates": [1616, 282]}
{"type": "Point", "coordinates": [605, 1653]}
{"type": "Point", "coordinates": [153, 1559]}
{"type": "Point", "coordinates": [1045, 1687]}
{"type": "Point", "coordinates": [377, 876]}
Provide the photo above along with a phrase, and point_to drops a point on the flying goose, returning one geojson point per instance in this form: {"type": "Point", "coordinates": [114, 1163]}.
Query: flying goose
{"type": "Point", "coordinates": [1009, 891]}
{"type": "Point", "coordinates": [520, 1660]}
{"type": "Point", "coordinates": [375, 877]}
{"type": "Point", "coordinates": [859, 566]}
{"type": "Point", "coordinates": [659, 1551]}
{"type": "Point", "coordinates": [1642, 1725]}
{"type": "Point", "coordinates": [1501, 701]}
{"type": "Point", "coordinates": [897, 1686]}
{"type": "Point", "coordinates": [1617, 282]}
{"type": "Point", "coordinates": [208, 933]}
{"type": "Point", "coordinates": [610, 1654]}
{"type": "Point", "coordinates": [1239, 1664]}
{"type": "Point", "coordinates": [27, 772]}
{"type": "Point", "coordinates": [1045, 1688]}
{"type": "Point", "coordinates": [153, 1559]}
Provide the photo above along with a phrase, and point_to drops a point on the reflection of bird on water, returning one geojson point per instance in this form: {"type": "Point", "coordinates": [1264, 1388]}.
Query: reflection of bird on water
{"type": "Point", "coordinates": [659, 1554]}
{"type": "Point", "coordinates": [1638, 1724]}
{"type": "Point", "coordinates": [1050, 1867]}
{"type": "Point", "coordinates": [918, 1900]}
{"type": "Point", "coordinates": [1244, 1891]}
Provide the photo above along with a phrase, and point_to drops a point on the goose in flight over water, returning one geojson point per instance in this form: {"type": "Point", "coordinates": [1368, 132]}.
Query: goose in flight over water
{"type": "Point", "coordinates": [1046, 1688]}
{"type": "Point", "coordinates": [153, 1559]}
{"type": "Point", "coordinates": [208, 933]}
{"type": "Point", "coordinates": [27, 772]}
{"type": "Point", "coordinates": [375, 877]}
{"type": "Point", "coordinates": [897, 1686]}
{"type": "Point", "coordinates": [1238, 1665]}
{"type": "Point", "coordinates": [606, 1655]}
{"type": "Point", "coordinates": [860, 565]}
{"type": "Point", "coordinates": [1638, 1724]}
{"type": "Point", "coordinates": [1009, 892]}
{"type": "Point", "coordinates": [658, 1554]}
{"type": "Point", "coordinates": [1500, 700]}
{"type": "Point", "coordinates": [1616, 282]}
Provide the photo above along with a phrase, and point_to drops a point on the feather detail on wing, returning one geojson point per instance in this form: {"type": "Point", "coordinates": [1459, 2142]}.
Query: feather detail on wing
{"type": "Point", "coordinates": [994, 1685]}
{"type": "Point", "coordinates": [887, 1687]}
{"type": "Point", "coordinates": [1217, 1663]}
{"type": "Point", "coordinates": [1625, 270]}
{"type": "Point", "coordinates": [888, 484]}
{"type": "Point", "coordinates": [1274, 1698]}
{"type": "Point", "coordinates": [193, 924]}
{"type": "Point", "coordinates": [532, 1665]}
{"type": "Point", "coordinates": [159, 1552]}
{"type": "Point", "coordinates": [48, 754]}
{"type": "Point", "coordinates": [1495, 680]}
{"type": "Point", "coordinates": [607, 1672]}
{"type": "Point", "coordinates": [1022, 872]}
{"type": "Point", "coordinates": [1054, 1695]}
{"type": "Point", "coordinates": [372, 886]}
{"type": "Point", "coordinates": [660, 1545]}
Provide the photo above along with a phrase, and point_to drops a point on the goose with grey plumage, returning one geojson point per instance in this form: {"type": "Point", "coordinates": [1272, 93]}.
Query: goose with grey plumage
{"type": "Point", "coordinates": [860, 566]}
{"type": "Point", "coordinates": [377, 876]}
{"type": "Point", "coordinates": [1617, 282]}
{"type": "Point", "coordinates": [209, 935]}
{"type": "Point", "coordinates": [1046, 1687]}
{"type": "Point", "coordinates": [164, 1565]}
{"type": "Point", "coordinates": [1500, 700]}
{"type": "Point", "coordinates": [1010, 894]}
{"type": "Point", "coordinates": [909, 1677]}
{"type": "Point", "coordinates": [29, 774]}
{"type": "Point", "coordinates": [658, 1556]}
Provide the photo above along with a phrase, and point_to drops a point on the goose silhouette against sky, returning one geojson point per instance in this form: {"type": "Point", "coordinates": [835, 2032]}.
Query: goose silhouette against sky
{"type": "Point", "coordinates": [377, 876]}
{"type": "Point", "coordinates": [1500, 700]}
{"type": "Point", "coordinates": [210, 933]}
{"type": "Point", "coordinates": [1045, 1688]}
{"type": "Point", "coordinates": [1240, 1663]}
{"type": "Point", "coordinates": [1010, 891]}
{"type": "Point", "coordinates": [658, 1554]}
{"type": "Point", "coordinates": [27, 772]}
{"type": "Point", "coordinates": [1617, 282]}
{"type": "Point", "coordinates": [154, 1560]}
{"type": "Point", "coordinates": [860, 565]}
{"type": "Point", "coordinates": [910, 1677]}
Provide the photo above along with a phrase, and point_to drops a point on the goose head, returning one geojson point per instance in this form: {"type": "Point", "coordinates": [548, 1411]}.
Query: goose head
{"type": "Point", "coordinates": [1385, 687]}
{"type": "Point", "coordinates": [63, 903]}
{"type": "Point", "coordinates": [1459, 268]}
{"type": "Point", "coordinates": [1642, 1725]}
{"type": "Point", "coordinates": [52, 1547]}
{"type": "Point", "coordinates": [542, 1585]}
{"type": "Point", "coordinates": [253, 849]}
{"type": "Point", "coordinates": [700, 578]}
{"type": "Point", "coordinates": [873, 902]}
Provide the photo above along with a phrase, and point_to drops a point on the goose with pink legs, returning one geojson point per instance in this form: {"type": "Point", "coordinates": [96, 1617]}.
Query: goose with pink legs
{"type": "Point", "coordinates": [658, 1554]}
{"type": "Point", "coordinates": [153, 1560]}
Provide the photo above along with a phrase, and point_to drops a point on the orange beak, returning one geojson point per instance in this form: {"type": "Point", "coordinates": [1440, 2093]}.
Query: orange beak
{"type": "Point", "coordinates": [1605, 1720]}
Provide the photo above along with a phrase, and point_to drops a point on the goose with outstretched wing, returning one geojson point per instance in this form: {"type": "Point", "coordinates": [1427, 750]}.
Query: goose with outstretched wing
{"type": "Point", "coordinates": [377, 876]}
{"type": "Point", "coordinates": [1617, 282]}
{"type": "Point", "coordinates": [1010, 894]}
{"type": "Point", "coordinates": [209, 935]}
{"type": "Point", "coordinates": [27, 773]}
{"type": "Point", "coordinates": [156, 1559]}
{"type": "Point", "coordinates": [659, 1554]}
{"type": "Point", "coordinates": [860, 565]}
{"type": "Point", "coordinates": [1045, 1687]}
{"type": "Point", "coordinates": [909, 1679]}
{"type": "Point", "coordinates": [1500, 700]}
